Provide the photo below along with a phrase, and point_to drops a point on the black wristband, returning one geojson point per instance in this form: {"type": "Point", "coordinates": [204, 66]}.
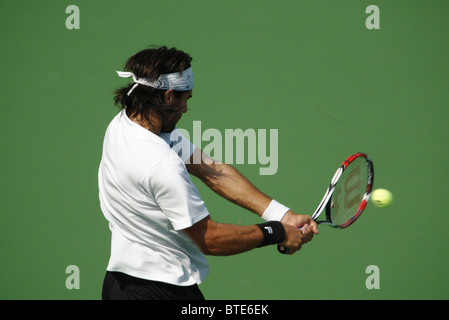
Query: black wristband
{"type": "Point", "coordinates": [273, 233]}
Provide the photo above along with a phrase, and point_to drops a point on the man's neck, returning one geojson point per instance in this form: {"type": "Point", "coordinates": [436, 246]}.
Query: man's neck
{"type": "Point", "coordinates": [155, 125]}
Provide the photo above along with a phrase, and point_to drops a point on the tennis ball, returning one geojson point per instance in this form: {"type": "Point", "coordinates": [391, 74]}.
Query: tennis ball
{"type": "Point", "coordinates": [382, 198]}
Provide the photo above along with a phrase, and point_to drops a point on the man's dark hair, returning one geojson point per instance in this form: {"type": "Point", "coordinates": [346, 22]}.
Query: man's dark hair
{"type": "Point", "coordinates": [146, 101]}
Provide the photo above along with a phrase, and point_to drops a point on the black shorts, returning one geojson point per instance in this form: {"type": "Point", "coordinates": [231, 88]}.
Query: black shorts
{"type": "Point", "coordinates": [120, 286]}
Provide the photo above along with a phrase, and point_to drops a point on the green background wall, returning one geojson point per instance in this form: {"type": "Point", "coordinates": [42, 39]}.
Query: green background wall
{"type": "Point", "coordinates": [310, 69]}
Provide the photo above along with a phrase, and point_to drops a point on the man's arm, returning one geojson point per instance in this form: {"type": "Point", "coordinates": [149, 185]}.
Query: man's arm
{"type": "Point", "coordinates": [220, 239]}
{"type": "Point", "coordinates": [227, 182]}
{"type": "Point", "coordinates": [230, 184]}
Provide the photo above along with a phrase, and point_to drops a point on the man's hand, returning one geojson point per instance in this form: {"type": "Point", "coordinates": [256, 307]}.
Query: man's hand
{"type": "Point", "coordinates": [306, 225]}
{"type": "Point", "coordinates": [300, 220]}
{"type": "Point", "coordinates": [294, 238]}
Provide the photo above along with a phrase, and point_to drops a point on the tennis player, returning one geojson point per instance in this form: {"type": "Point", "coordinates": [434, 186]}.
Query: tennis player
{"type": "Point", "coordinates": [161, 228]}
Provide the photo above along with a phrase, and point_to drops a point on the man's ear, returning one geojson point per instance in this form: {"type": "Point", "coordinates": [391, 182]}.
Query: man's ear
{"type": "Point", "coordinates": [169, 97]}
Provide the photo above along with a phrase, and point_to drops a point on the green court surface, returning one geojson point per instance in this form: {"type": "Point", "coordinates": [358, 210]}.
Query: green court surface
{"type": "Point", "coordinates": [310, 69]}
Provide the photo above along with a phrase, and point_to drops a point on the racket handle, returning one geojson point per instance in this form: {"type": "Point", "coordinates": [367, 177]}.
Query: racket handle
{"type": "Point", "coordinates": [283, 249]}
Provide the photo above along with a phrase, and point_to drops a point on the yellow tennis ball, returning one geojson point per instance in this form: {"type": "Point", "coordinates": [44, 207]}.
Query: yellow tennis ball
{"type": "Point", "coordinates": [382, 198]}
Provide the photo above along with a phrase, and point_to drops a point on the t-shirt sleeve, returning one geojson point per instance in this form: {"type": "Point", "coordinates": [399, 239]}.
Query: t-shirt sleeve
{"type": "Point", "coordinates": [171, 186]}
{"type": "Point", "coordinates": [179, 143]}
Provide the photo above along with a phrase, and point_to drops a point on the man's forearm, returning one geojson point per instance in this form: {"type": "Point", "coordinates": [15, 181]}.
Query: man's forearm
{"type": "Point", "coordinates": [236, 188]}
{"type": "Point", "coordinates": [230, 184]}
{"type": "Point", "coordinates": [218, 239]}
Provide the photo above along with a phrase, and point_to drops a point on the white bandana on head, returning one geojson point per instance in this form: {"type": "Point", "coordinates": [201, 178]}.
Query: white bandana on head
{"type": "Point", "coordinates": [176, 81]}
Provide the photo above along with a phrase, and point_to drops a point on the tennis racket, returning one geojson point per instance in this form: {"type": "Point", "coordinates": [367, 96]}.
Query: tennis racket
{"type": "Point", "coordinates": [347, 195]}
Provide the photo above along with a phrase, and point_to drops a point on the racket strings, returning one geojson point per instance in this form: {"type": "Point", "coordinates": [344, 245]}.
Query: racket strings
{"type": "Point", "coordinates": [349, 192]}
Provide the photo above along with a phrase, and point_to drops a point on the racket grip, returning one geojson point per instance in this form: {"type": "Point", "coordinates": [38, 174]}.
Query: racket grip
{"type": "Point", "coordinates": [283, 249]}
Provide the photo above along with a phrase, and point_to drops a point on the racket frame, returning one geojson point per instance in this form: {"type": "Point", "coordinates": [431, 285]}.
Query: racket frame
{"type": "Point", "coordinates": [325, 203]}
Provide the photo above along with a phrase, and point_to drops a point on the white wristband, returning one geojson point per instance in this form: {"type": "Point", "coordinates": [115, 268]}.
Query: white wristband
{"type": "Point", "coordinates": [275, 211]}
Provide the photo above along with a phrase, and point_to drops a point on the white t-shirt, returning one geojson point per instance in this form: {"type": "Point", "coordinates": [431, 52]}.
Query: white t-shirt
{"type": "Point", "coordinates": [147, 196]}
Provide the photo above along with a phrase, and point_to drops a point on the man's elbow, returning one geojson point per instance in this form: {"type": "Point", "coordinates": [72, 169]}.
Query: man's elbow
{"type": "Point", "coordinates": [209, 245]}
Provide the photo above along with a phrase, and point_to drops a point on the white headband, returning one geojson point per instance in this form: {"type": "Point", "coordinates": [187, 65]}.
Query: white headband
{"type": "Point", "coordinates": [174, 81]}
